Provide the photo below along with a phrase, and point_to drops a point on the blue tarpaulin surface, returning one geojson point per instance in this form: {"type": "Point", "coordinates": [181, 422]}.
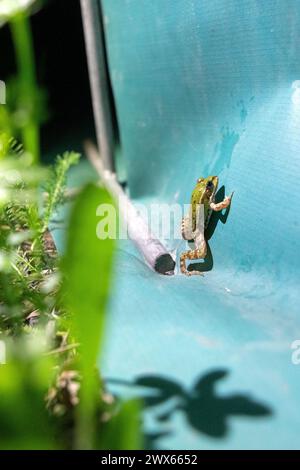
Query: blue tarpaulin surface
{"type": "Point", "coordinates": [210, 87]}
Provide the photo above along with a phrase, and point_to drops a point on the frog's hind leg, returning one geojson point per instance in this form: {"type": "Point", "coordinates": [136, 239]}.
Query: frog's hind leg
{"type": "Point", "coordinates": [186, 229]}
{"type": "Point", "coordinates": [189, 255]}
{"type": "Point", "coordinates": [198, 253]}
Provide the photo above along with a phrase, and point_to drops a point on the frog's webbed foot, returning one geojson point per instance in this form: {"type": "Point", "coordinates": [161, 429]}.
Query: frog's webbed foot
{"type": "Point", "coordinates": [221, 205]}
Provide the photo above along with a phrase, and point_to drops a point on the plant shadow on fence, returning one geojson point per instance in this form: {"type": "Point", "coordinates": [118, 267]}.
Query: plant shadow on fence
{"type": "Point", "coordinates": [204, 409]}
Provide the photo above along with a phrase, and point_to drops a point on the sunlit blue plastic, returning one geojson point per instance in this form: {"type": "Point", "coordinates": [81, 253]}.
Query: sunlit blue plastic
{"type": "Point", "coordinates": [211, 87]}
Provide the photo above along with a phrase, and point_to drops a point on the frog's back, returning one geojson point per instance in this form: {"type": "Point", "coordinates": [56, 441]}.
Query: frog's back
{"type": "Point", "coordinates": [205, 189]}
{"type": "Point", "coordinates": [199, 197]}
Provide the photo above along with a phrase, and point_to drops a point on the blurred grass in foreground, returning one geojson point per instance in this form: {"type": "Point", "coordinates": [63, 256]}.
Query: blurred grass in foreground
{"type": "Point", "coordinates": [52, 313]}
{"type": "Point", "coordinates": [52, 319]}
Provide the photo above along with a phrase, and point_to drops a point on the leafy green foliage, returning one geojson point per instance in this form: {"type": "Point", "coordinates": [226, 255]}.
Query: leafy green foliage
{"type": "Point", "coordinates": [26, 252]}
{"type": "Point", "coordinates": [78, 412]}
{"type": "Point", "coordinates": [55, 187]}
{"type": "Point", "coordinates": [51, 393]}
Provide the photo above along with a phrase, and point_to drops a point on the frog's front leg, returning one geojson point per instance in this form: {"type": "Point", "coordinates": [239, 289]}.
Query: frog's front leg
{"type": "Point", "coordinates": [220, 205]}
{"type": "Point", "coordinates": [198, 253]}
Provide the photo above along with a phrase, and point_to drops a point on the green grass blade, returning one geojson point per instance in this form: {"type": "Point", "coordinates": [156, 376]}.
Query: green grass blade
{"type": "Point", "coordinates": [87, 267]}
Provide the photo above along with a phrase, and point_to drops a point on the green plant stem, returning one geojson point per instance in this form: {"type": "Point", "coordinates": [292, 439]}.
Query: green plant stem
{"type": "Point", "coordinates": [23, 44]}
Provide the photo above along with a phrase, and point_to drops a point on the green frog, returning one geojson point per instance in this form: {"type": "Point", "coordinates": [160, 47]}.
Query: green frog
{"type": "Point", "coordinates": [194, 224]}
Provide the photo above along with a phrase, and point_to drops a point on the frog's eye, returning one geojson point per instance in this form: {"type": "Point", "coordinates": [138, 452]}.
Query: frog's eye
{"type": "Point", "coordinates": [199, 180]}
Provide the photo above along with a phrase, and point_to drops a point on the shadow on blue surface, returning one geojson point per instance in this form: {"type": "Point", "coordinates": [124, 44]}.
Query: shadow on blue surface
{"type": "Point", "coordinates": [205, 410]}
